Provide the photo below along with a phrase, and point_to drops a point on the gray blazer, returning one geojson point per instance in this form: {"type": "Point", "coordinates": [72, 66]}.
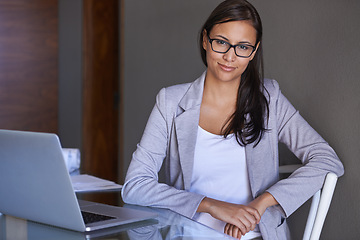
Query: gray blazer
{"type": "Point", "coordinates": [170, 136]}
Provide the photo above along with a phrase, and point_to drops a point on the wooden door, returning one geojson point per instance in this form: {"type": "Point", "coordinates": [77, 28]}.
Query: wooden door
{"type": "Point", "coordinates": [28, 65]}
{"type": "Point", "coordinates": [100, 91]}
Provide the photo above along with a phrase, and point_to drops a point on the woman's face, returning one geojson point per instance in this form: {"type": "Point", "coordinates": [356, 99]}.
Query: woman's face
{"type": "Point", "coordinates": [228, 66]}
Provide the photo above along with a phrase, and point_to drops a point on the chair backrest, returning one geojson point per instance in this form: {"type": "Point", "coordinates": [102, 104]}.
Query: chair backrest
{"type": "Point", "coordinates": [319, 208]}
{"type": "Point", "coordinates": [319, 205]}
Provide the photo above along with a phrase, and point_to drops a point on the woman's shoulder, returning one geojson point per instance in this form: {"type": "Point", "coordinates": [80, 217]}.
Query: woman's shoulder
{"type": "Point", "coordinates": [186, 91]}
{"type": "Point", "coordinates": [173, 93]}
{"type": "Point", "coordinates": [178, 89]}
{"type": "Point", "coordinates": [271, 84]}
{"type": "Point", "coordinates": [272, 87]}
{"type": "Point", "coordinates": [169, 99]}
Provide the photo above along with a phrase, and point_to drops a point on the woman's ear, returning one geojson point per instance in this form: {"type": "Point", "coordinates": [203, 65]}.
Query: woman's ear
{"type": "Point", "coordinates": [253, 55]}
{"type": "Point", "coordinates": [204, 39]}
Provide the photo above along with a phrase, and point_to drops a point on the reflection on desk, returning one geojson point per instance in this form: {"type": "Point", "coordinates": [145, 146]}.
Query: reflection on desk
{"type": "Point", "coordinates": [168, 225]}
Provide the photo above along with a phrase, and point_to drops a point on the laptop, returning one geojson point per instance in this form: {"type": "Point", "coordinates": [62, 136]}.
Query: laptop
{"type": "Point", "coordinates": [35, 185]}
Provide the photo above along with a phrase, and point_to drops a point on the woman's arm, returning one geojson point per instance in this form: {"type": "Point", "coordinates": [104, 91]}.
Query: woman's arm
{"type": "Point", "coordinates": [317, 157]}
{"type": "Point", "coordinates": [260, 204]}
{"type": "Point", "coordinates": [141, 185]}
{"type": "Point", "coordinates": [243, 217]}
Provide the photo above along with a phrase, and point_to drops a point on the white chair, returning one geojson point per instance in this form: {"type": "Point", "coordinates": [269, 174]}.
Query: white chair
{"type": "Point", "coordinates": [320, 204]}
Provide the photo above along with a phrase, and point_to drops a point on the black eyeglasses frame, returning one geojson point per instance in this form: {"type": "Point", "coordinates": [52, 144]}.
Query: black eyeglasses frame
{"type": "Point", "coordinates": [231, 46]}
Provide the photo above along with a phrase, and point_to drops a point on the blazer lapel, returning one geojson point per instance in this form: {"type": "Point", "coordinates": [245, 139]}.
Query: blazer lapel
{"type": "Point", "coordinates": [186, 126]}
{"type": "Point", "coordinates": [249, 153]}
{"type": "Point", "coordinates": [260, 164]}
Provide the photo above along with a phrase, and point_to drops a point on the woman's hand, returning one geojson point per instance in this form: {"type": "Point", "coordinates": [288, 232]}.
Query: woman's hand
{"type": "Point", "coordinates": [260, 203]}
{"type": "Point", "coordinates": [243, 217]}
{"type": "Point", "coordinates": [233, 231]}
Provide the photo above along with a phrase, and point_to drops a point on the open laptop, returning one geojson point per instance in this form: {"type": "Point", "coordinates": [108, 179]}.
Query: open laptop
{"type": "Point", "coordinates": [35, 185]}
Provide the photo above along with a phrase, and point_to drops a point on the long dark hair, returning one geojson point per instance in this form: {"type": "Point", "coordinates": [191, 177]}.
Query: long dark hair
{"type": "Point", "coordinates": [248, 120]}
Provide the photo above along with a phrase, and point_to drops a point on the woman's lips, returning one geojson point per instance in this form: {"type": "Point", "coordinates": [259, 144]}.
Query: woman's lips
{"type": "Point", "coordinates": [226, 68]}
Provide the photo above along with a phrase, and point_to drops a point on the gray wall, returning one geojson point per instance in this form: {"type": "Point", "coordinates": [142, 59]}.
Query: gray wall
{"type": "Point", "coordinates": [311, 48]}
{"type": "Point", "coordinates": [70, 77]}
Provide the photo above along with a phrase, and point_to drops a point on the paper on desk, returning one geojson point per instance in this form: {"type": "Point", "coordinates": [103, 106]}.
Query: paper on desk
{"type": "Point", "coordinates": [88, 183]}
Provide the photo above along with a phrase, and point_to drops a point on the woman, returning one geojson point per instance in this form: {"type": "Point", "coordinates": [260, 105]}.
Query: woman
{"type": "Point", "coordinates": [218, 139]}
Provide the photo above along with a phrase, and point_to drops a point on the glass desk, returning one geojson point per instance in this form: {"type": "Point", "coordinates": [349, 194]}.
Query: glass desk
{"type": "Point", "coordinates": [168, 225]}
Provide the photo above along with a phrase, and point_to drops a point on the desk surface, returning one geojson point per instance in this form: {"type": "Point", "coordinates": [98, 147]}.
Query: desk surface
{"type": "Point", "coordinates": [168, 225]}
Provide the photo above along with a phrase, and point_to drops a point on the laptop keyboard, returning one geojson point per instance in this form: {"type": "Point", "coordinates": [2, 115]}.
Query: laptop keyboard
{"type": "Point", "coordinates": [93, 217]}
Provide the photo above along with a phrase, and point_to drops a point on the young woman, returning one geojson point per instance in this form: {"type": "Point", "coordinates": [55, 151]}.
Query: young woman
{"type": "Point", "coordinates": [218, 139]}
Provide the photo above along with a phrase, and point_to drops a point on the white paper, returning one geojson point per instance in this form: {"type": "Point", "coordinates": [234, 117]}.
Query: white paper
{"type": "Point", "coordinates": [88, 183]}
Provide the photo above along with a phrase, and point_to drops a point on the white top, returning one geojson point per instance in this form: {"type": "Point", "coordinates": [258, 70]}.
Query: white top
{"type": "Point", "coordinates": [220, 172]}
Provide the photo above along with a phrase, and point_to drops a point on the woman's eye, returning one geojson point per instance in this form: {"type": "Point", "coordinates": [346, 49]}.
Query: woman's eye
{"type": "Point", "coordinates": [243, 47]}
{"type": "Point", "coordinates": [220, 42]}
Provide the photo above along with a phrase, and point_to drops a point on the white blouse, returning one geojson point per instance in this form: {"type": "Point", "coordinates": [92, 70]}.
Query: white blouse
{"type": "Point", "coordinates": [220, 172]}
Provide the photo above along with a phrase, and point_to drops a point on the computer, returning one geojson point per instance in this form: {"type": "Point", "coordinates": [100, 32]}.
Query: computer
{"type": "Point", "coordinates": [35, 185]}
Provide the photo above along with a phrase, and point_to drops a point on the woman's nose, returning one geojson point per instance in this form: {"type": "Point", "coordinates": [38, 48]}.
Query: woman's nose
{"type": "Point", "coordinates": [230, 55]}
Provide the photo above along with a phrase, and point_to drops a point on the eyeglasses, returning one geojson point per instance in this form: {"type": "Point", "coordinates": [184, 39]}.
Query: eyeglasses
{"type": "Point", "coordinates": [243, 50]}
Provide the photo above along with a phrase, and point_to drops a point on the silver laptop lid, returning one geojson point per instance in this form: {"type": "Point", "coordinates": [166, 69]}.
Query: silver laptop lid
{"type": "Point", "coordinates": [34, 183]}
